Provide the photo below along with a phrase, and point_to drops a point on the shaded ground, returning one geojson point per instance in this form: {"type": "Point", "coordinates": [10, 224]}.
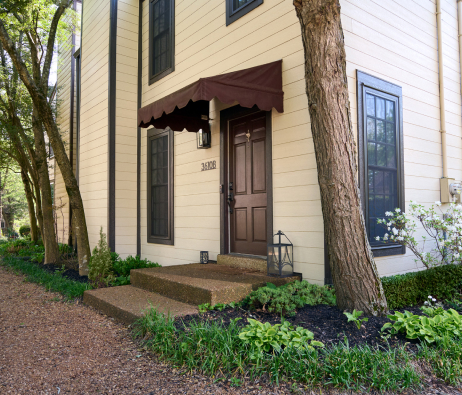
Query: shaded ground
{"type": "Point", "coordinates": [51, 347]}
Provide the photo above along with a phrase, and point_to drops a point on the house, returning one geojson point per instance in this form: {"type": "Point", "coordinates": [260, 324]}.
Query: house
{"type": "Point", "coordinates": [130, 81]}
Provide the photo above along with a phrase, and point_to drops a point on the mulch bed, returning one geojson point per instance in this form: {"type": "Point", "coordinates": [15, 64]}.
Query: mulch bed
{"type": "Point", "coordinates": [328, 324]}
{"type": "Point", "coordinates": [69, 262]}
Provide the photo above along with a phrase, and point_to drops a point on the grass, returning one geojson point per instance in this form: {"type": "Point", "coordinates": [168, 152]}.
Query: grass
{"type": "Point", "coordinates": [51, 281]}
{"type": "Point", "coordinates": [216, 350]}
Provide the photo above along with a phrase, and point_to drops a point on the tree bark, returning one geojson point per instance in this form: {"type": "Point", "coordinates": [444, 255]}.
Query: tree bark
{"type": "Point", "coordinates": [48, 235]}
{"type": "Point", "coordinates": [30, 206]}
{"type": "Point", "coordinates": [38, 93]}
{"type": "Point", "coordinates": [356, 280]}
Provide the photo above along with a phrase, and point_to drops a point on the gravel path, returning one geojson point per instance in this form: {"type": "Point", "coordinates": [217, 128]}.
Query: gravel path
{"type": "Point", "coordinates": [48, 346]}
{"type": "Point", "coordinates": [51, 347]}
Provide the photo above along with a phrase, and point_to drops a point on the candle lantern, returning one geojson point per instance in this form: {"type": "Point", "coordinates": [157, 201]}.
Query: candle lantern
{"type": "Point", "coordinates": [204, 257]}
{"type": "Point", "coordinates": [280, 257]}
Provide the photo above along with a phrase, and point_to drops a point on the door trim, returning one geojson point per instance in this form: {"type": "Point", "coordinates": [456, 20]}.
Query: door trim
{"type": "Point", "coordinates": [226, 116]}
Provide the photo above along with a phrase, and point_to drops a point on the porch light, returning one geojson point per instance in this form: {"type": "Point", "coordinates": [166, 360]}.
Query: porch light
{"type": "Point", "coordinates": [204, 139]}
{"type": "Point", "coordinates": [204, 257]}
{"type": "Point", "coordinates": [280, 257]}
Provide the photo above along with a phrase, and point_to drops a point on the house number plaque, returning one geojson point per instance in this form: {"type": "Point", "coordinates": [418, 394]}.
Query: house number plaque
{"type": "Point", "coordinates": [209, 165]}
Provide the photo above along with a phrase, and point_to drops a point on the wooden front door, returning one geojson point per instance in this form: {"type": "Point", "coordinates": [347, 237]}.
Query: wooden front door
{"type": "Point", "coordinates": [247, 189]}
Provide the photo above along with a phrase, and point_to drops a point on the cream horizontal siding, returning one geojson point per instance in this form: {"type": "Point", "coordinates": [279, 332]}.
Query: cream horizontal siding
{"type": "Point", "coordinates": [206, 47]}
{"type": "Point", "coordinates": [126, 130]}
{"type": "Point", "coordinates": [93, 177]}
{"type": "Point", "coordinates": [397, 41]}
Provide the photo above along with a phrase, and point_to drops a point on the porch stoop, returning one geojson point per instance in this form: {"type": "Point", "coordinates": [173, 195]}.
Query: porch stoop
{"type": "Point", "coordinates": [242, 261]}
{"type": "Point", "coordinates": [178, 290]}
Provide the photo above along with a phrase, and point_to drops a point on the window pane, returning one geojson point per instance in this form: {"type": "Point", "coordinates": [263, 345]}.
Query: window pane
{"type": "Point", "coordinates": [370, 104]}
{"type": "Point", "coordinates": [370, 129]}
{"type": "Point", "coordinates": [390, 133]}
{"type": "Point", "coordinates": [239, 3]}
{"type": "Point", "coordinates": [380, 107]}
{"type": "Point", "coordinates": [380, 131]}
{"type": "Point", "coordinates": [159, 186]}
{"type": "Point", "coordinates": [391, 160]}
{"type": "Point", "coordinates": [381, 155]}
{"type": "Point", "coordinates": [390, 111]}
{"type": "Point", "coordinates": [161, 36]}
{"type": "Point", "coordinates": [371, 153]}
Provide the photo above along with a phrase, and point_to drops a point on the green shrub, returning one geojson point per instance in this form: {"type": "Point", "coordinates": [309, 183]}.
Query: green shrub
{"type": "Point", "coordinates": [411, 289]}
{"type": "Point", "coordinates": [100, 267]}
{"type": "Point", "coordinates": [267, 337]}
{"type": "Point", "coordinates": [24, 230]}
{"type": "Point", "coordinates": [286, 299]}
{"type": "Point", "coordinates": [122, 267]}
{"type": "Point", "coordinates": [444, 324]}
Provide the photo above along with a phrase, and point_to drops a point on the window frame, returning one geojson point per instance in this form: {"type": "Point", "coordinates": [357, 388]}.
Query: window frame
{"type": "Point", "coordinates": [153, 134]}
{"type": "Point", "coordinates": [378, 87]}
{"type": "Point", "coordinates": [234, 15]}
{"type": "Point", "coordinates": [156, 77]}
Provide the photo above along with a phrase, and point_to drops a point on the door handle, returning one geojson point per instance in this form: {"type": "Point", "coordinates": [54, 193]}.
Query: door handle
{"type": "Point", "coordinates": [230, 199]}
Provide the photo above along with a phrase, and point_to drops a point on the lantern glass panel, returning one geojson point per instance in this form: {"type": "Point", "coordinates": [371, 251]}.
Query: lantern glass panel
{"type": "Point", "coordinates": [204, 256]}
{"type": "Point", "coordinates": [273, 260]}
{"type": "Point", "coordinates": [200, 143]}
{"type": "Point", "coordinates": [287, 260]}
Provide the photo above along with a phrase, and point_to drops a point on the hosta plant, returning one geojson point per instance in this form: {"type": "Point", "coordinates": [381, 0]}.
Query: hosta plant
{"type": "Point", "coordinates": [447, 324]}
{"type": "Point", "coordinates": [269, 337]}
{"type": "Point", "coordinates": [354, 317]}
{"type": "Point", "coordinates": [443, 230]}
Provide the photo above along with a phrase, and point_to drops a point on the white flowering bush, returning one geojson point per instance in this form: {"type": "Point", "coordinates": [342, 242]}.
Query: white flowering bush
{"type": "Point", "coordinates": [443, 231]}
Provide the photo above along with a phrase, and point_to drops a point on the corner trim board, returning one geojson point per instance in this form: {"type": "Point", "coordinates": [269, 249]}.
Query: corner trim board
{"type": "Point", "coordinates": [112, 123]}
{"type": "Point", "coordinates": [138, 132]}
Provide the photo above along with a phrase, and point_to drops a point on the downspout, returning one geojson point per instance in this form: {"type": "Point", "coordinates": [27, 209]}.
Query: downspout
{"type": "Point", "coordinates": [441, 82]}
{"type": "Point", "coordinates": [459, 22]}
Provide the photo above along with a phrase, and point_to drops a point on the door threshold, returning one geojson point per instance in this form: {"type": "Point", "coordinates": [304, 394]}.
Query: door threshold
{"type": "Point", "coordinates": [247, 255]}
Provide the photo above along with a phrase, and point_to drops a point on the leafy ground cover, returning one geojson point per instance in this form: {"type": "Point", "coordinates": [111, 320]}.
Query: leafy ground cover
{"type": "Point", "coordinates": [51, 278]}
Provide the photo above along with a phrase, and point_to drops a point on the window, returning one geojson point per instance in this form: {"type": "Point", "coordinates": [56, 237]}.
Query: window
{"type": "Point", "coordinates": [160, 186]}
{"type": "Point", "coordinates": [238, 8]}
{"type": "Point", "coordinates": [161, 39]}
{"type": "Point", "coordinates": [381, 176]}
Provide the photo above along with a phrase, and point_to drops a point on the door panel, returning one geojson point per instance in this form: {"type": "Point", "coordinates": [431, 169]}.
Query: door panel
{"type": "Point", "coordinates": [247, 173]}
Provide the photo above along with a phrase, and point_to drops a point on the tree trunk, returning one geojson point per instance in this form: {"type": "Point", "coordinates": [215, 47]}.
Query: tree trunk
{"type": "Point", "coordinates": [30, 206]}
{"type": "Point", "coordinates": [48, 235]}
{"type": "Point", "coordinates": [356, 280]}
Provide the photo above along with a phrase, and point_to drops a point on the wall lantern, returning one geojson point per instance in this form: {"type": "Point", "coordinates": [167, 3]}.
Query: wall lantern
{"type": "Point", "coordinates": [280, 258]}
{"type": "Point", "coordinates": [204, 257]}
{"type": "Point", "coordinates": [204, 139]}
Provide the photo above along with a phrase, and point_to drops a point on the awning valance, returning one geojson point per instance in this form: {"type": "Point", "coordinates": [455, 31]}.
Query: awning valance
{"type": "Point", "coordinates": [188, 108]}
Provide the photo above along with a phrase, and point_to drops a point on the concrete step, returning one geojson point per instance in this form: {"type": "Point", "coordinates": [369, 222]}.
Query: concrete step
{"type": "Point", "coordinates": [196, 284]}
{"type": "Point", "coordinates": [127, 303]}
{"type": "Point", "coordinates": [242, 261]}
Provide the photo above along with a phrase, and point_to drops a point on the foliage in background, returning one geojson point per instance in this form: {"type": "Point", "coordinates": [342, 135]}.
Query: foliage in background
{"type": "Point", "coordinates": [24, 230]}
{"type": "Point", "coordinates": [100, 267]}
{"type": "Point", "coordinates": [216, 350]}
{"type": "Point", "coordinates": [443, 232]}
{"type": "Point", "coordinates": [411, 289]}
{"type": "Point", "coordinates": [276, 337]}
{"type": "Point", "coordinates": [13, 197]}
{"type": "Point", "coordinates": [51, 281]}
{"type": "Point", "coordinates": [286, 299]}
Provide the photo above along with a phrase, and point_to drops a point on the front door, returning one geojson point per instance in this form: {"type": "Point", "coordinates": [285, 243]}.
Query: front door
{"type": "Point", "coordinates": [247, 184]}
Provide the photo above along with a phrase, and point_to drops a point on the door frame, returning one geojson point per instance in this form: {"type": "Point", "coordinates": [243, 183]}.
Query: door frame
{"type": "Point", "coordinates": [227, 115]}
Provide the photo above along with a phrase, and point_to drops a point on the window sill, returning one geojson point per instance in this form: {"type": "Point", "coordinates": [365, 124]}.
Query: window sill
{"type": "Point", "coordinates": [161, 75]}
{"type": "Point", "coordinates": [388, 250]}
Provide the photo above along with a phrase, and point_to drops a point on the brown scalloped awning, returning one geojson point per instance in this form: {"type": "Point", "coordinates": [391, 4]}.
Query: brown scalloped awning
{"type": "Point", "coordinates": [188, 108]}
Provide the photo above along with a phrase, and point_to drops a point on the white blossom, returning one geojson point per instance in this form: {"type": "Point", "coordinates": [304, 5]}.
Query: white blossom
{"type": "Point", "coordinates": [433, 300]}
{"type": "Point", "coordinates": [395, 231]}
{"type": "Point", "coordinates": [400, 238]}
{"type": "Point", "coordinates": [388, 213]}
{"type": "Point", "coordinates": [438, 203]}
{"type": "Point", "coordinates": [426, 303]}
{"type": "Point", "coordinates": [398, 210]}
{"type": "Point", "coordinates": [377, 238]}
{"type": "Point", "coordinates": [430, 297]}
